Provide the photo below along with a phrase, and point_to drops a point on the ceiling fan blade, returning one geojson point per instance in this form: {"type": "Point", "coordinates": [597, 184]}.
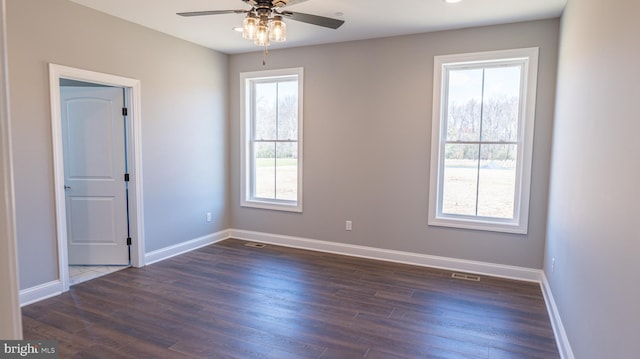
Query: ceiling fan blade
{"type": "Point", "coordinates": [313, 19]}
{"type": "Point", "coordinates": [211, 12]}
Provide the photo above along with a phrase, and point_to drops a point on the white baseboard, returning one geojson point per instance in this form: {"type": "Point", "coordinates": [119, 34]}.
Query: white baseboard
{"type": "Point", "coordinates": [483, 268]}
{"type": "Point", "coordinates": [40, 292]}
{"type": "Point", "coordinates": [172, 251]}
{"type": "Point", "coordinates": [556, 322]}
{"type": "Point", "coordinates": [46, 290]}
{"type": "Point", "coordinates": [453, 264]}
{"type": "Point", "coordinates": [53, 288]}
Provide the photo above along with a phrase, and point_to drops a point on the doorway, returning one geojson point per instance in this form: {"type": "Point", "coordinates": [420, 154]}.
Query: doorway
{"type": "Point", "coordinates": [97, 167]}
{"type": "Point", "coordinates": [94, 143]}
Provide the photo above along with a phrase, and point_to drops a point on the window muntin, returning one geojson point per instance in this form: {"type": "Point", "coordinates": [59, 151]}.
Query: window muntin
{"type": "Point", "coordinates": [482, 140]}
{"type": "Point", "coordinates": [272, 139]}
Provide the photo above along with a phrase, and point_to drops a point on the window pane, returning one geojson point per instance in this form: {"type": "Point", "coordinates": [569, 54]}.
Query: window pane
{"type": "Point", "coordinates": [288, 110]}
{"type": "Point", "coordinates": [276, 174]}
{"type": "Point", "coordinates": [500, 103]}
{"type": "Point", "coordinates": [496, 189]}
{"type": "Point", "coordinates": [287, 171]}
{"type": "Point", "coordinates": [463, 105]}
{"type": "Point", "coordinates": [266, 96]}
{"type": "Point", "coordinates": [271, 170]}
{"type": "Point", "coordinates": [460, 179]}
{"type": "Point", "coordinates": [265, 170]}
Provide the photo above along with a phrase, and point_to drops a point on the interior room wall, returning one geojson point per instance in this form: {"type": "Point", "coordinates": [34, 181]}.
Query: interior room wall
{"type": "Point", "coordinates": [367, 140]}
{"type": "Point", "coordinates": [594, 204]}
{"type": "Point", "coordinates": [184, 123]}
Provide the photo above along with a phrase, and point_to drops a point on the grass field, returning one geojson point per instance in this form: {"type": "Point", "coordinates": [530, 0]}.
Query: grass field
{"type": "Point", "coordinates": [495, 190]}
{"type": "Point", "coordinates": [287, 178]}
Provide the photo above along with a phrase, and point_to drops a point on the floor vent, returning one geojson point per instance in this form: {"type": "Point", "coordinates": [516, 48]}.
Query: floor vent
{"type": "Point", "coordinates": [473, 278]}
{"type": "Point", "coordinates": [255, 245]}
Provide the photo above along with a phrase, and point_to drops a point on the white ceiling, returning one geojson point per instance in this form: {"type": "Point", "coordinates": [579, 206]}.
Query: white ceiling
{"type": "Point", "coordinates": [364, 19]}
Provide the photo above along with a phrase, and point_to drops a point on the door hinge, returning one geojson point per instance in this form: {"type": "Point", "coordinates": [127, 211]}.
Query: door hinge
{"type": "Point", "coordinates": [125, 112]}
{"type": "Point", "coordinates": [126, 177]}
{"type": "Point", "coordinates": [128, 241]}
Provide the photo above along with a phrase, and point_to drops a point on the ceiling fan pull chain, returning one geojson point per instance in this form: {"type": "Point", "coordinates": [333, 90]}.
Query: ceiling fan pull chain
{"type": "Point", "coordinates": [264, 57]}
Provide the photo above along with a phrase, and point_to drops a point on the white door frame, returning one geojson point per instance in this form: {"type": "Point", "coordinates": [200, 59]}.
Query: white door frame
{"type": "Point", "coordinates": [136, 218]}
{"type": "Point", "coordinates": [11, 323]}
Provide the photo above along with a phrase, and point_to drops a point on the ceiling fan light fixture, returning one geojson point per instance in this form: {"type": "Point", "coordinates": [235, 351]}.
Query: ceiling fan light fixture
{"type": "Point", "coordinates": [262, 35]}
{"type": "Point", "coordinates": [263, 23]}
{"type": "Point", "coordinates": [277, 29]}
{"type": "Point", "coordinates": [249, 27]}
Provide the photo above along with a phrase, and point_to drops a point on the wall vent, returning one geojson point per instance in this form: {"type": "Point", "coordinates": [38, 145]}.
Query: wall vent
{"type": "Point", "coordinates": [473, 278]}
{"type": "Point", "coordinates": [255, 245]}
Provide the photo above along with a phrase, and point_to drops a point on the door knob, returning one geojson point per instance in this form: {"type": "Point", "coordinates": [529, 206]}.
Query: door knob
{"type": "Point", "coordinates": [66, 187]}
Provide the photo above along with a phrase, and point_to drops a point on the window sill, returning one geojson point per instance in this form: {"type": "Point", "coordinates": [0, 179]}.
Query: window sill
{"type": "Point", "coordinates": [294, 207]}
{"type": "Point", "coordinates": [479, 225]}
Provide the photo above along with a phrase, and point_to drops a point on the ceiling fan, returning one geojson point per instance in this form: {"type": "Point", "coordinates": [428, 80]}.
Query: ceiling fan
{"type": "Point", "coordinates": [263, 22]}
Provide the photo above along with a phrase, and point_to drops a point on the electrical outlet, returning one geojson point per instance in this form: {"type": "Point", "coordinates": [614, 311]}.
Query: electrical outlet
{"type": "Point", "coordinates": [348, 226]}
{"type": "Point", "coordinates": [208, 216]}
{"type": "Point", "coordinates": [553, 264]}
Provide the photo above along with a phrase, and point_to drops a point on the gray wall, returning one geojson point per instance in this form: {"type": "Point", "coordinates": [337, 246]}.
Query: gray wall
{"type": "Point", "coordinates": [367, 118]}
{"type": "Point", "coordinates": [594, 196]}
{"type": "Point", "coordinates": [184, 124]}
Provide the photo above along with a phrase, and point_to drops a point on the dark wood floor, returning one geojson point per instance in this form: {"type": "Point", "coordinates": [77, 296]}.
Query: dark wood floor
{"type": "Point", "coordinates": [228, 300]}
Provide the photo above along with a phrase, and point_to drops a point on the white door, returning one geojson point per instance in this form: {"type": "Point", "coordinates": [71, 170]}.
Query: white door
{"type": "Point", "coordinates": [93, 131]}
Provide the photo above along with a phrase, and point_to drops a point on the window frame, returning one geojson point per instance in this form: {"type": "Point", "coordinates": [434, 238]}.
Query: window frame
{"type": "Point", "coordinates": [247, 166]}
{"type": "Point", "coordinates": [442, 64]}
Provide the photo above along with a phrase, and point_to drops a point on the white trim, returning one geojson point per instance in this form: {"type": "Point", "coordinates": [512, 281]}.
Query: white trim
{"type": "Point", "coordinates": [53, 288]}
{"type": "Point", "coordinates": [56, 72]}
{"type": "Point", "coordinates": [528, 57]}
{"type": "Point", "coordinates": [40, 292]}
{"type": "Point", "coordinates": [245, 143]}
{"type": "Point", "coordinates": [564, 347]}
{"type": "Point", "coordinates": [453, 264]}
{"type": "Point", "coordinates": [11, 326]}
{"type": "Point", "coordinates": [184, 247]}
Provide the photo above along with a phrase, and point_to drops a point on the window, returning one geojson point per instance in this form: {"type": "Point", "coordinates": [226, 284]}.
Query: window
{"type": "Point", "coordinates": [482, 138]}
{"type": "Point", "coordinates": [272, 139]}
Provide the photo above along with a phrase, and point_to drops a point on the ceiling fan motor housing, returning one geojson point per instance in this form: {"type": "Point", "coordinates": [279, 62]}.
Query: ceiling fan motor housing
{"type": "Point", "coordinates": [266, 3]}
